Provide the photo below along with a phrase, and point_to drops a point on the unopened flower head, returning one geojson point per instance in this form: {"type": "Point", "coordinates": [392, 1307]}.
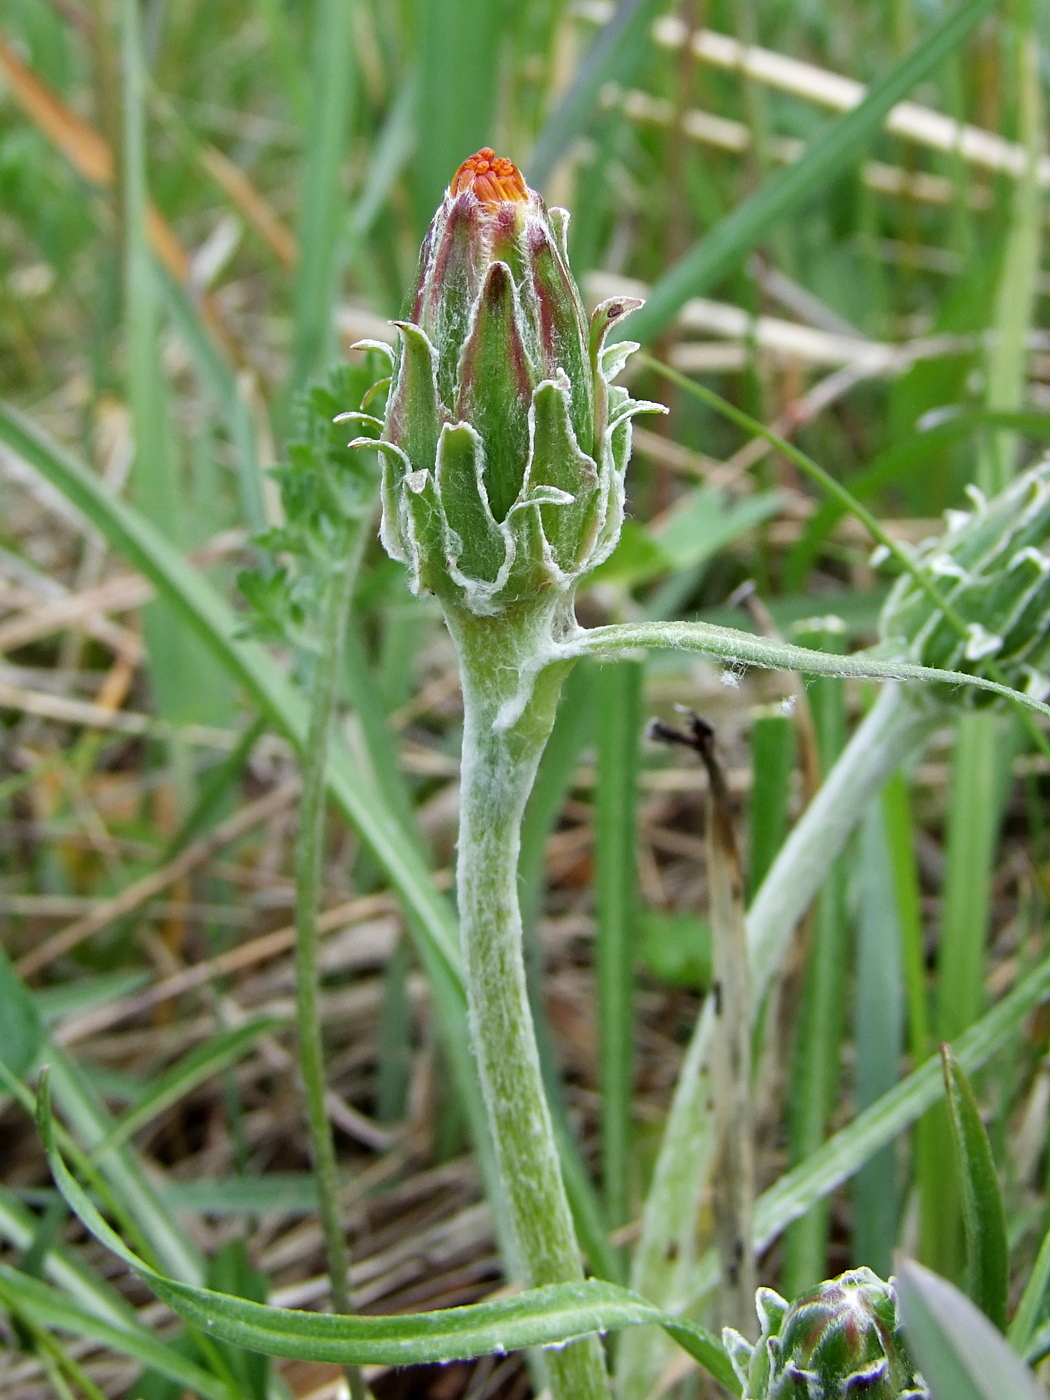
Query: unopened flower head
{"type": "Point", "coordinates": [839, 1341]}
{"type": "Point", "coordinates": [992, 566]}
{"type": "Point", "coordinates": [505, 440]}
{"type": "Point", "coordinates": [494, 179]}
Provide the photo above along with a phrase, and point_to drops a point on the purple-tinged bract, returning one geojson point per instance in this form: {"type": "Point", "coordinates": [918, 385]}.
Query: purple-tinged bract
{"type": "Point", "coordinates": [505, 441]}
{"type": "Point", "coordinates": [839, 1341]}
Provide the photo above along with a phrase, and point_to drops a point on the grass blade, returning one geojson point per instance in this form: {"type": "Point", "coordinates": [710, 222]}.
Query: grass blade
{"type": "Point", "coordinates": [188, 685]}
{"type": "Point", "coordinates": [90, 1121]}
{"type": "Point", "coordinates": [192, 1070]}
{"type": "Point", "coordinates": [617, 49]}
{"type": "Point", "coordinates": [1023, 1327]}
{"type": "Point", "coordinates": [321, 199]}
{"type": "Point", "coordinates": [1017, 293]}
{"type": "Point", "coordinates": [960, 1353]}
{"type": "Point", "coordinates": [51, 1308]}
{"type": "Point", "coordinates": [221, 381]}
{"type": "Point", "coordinates": [878, 1125]}
{"type": "Point", "coordinates": [21, 1025]}
{"type": "Point", "coordinates": [878, 1033]}
{"type": "Point", "coordinates": [538, 1317]}
{"type": "Point", "coordinates": [74, 1279]}
{"type": "Point", "coordinates": [832, 151]}
{"type": "Point", "coordinates": [980, 772]}
{"type": "Point", "coordinates": [817, 1066]}
{"type": "Point", "coordinates": [619, 712]}
{"type": "Point", "coordinates": [573, 728]}
{"type": "Point", "coordinates": [211, 617]}
{"type": "Point", "coordinates": [772, 764]}
{"type": "Point", "coordinates": [906, 895]}
{"type": "Point", "coordinates": [456, 37]}
{"type": "Point", "coordinates": [985, 1219]}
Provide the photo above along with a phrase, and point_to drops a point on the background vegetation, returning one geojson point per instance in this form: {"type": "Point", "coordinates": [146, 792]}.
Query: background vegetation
{"type": "Point", "coordinates": [201, 207]}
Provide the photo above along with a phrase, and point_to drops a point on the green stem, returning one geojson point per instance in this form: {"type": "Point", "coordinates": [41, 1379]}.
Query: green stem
{"type": "Point", "coordinates": [499, 764]}
{"type": "Point", "coordinates": [309, 876]}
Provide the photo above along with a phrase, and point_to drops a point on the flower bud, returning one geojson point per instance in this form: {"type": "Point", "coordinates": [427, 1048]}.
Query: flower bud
{"type": "Point", "coordinates": [505, 441]}
{"type": "Point", "coordinates": [839, 1341]}
{"type": "Point", "coordinates": [992, 565]}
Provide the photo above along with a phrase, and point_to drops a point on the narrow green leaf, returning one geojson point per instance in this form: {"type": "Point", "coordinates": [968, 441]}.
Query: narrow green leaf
{"type": "Point", "coordinates": [736, 647]}
{"type": "Point", "coordinates": [127, 1181]}
{"type": "Point", "coordinates": [456, 38]}
{"type": "Point", "coordinates": [87, 994]}
{"type": "Point", "coordinates": [618, 47]}
{"type": "Point", "coordinates": [985, 1219]}
{"type": "Point", "coordinates": [540, 1317]}
{"type": "Point", "coordinates": [835, 149]}
{"type": "Point", "coordinates": [699, 526]}
{"type": "Point", "coordinates": [21, 1027]}
{"type": "Point", "coordinates": [1017, 296]}
{"type": "Point", "coordinates": [142, 545]}
{"type": "Point", "coordinates": [195, 600]}
{"type": "Point", "coordinates": [48, 1229]}
{"type": "Point", "coordinates": [772, 764]}
{"type": "Point", "coordinates": [75, 1280]}
{"type": "Point", "coordinates": [188, 684]}
{"type": "Point", "coordinates": [960, 1353]}
{"type": "Point", "coordinates": [878, 1125]}
{"type": "Point", "coordinates": [51, 1308]}
{"type": "Point", "coordinates": [230, 1271]}
{"type": "Point", "coordinates": [981, 770]}
{"type": "Point", "coordinates": [878, 1025]}
{"type": "Point", "coordinates": [221, 381]}
{"type": "Point", "coordinates": [817, 1064]}
{"type": "Point", "coordinates": [900, 846]}
{"type": "Point", "coordinates": [130, 1191]}
{"type": "Point", "coordinates": [573, 730]}
{"type": "Point", "coordinates": [289, 1193]}
{"type": "Point", "coordinates": [321, 199]}
{"type": "Point", "coordinates": [391, 148]}
{"type": "Point", "coordinates": [1023, 1327]}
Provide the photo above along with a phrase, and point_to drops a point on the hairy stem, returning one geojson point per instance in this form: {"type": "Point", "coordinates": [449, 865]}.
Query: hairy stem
{"type": "Point", "coordinates": [309, 875]}
{"type": "Point", "coordinates": [499, 765]}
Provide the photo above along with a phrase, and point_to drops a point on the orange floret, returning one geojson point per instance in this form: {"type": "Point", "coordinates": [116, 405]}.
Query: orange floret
{"type": "Point", "coordinates": [494, 179]}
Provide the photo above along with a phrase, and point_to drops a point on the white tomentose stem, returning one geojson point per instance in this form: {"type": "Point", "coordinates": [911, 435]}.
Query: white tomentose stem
{"type": "Point", "coordinates": [499, 765]}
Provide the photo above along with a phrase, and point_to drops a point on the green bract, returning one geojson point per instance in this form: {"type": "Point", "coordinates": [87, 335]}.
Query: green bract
{"type": "Point", "coordinates": [505, 440]}
{"type": "Point", "coordinates": [992, 567]}
{"type": "Point", "coordinates": [839, 1341]}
